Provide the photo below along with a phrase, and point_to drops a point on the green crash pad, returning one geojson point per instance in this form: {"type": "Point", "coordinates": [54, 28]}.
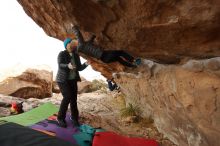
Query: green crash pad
{"type": "Point", "coordinates": [3, 122]}
{"type": "Point", "coordinates": [33, 116]}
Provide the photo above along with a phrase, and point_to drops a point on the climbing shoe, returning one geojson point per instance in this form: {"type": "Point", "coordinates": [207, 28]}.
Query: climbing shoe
{"type": "Point", "coordinates": [61, 123]}
{"type": "Point", "coordinates": [137, 61]}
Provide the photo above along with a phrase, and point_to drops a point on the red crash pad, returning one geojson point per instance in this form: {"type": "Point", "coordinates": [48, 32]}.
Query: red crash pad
{"type": "Point", "coordinates": [113, 139]}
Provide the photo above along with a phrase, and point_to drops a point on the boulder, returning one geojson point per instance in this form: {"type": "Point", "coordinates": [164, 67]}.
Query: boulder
{"type": "Point", "coordinates": [165, 31]}
{"type": "Point", "coordinates": [183, 101]}
{"type": "Point", "coordinates": [84, 86]}
{"type": "Point", "coordinates": [28, 83]}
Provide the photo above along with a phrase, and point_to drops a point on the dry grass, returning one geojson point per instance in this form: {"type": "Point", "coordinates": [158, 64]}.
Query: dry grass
{"type": "Point", "coordinates": [130, 110]}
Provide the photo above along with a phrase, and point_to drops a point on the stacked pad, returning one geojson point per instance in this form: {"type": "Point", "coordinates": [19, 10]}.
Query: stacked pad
{"type": "Point", "coordinates": [82, 135]}
{"type": "Point", "coordinates": [112, 139]}
{"type": "Point", "coordinates": [40, 119]}
{"type": "Point", "coordinates": [50, 125]}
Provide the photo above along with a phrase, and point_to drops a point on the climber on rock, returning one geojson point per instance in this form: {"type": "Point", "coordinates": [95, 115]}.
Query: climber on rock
{"type": "Point", "coordinates": [109, 56]}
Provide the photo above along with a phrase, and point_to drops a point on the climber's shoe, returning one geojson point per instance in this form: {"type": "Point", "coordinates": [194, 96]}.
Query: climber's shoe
{"type": "Point", "coordinates": [137, 61]}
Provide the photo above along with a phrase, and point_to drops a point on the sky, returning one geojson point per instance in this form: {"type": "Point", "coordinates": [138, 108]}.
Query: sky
{"type": "Point", "coordinates": [23, 42]}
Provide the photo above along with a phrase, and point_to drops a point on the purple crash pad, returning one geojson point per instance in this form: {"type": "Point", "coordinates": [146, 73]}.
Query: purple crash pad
{"type": "Point", "coordinates": [50, 125]}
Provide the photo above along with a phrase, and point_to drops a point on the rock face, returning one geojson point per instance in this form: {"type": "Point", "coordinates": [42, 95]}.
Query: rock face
{"type": "Point", "coordinates": [166, 31]}
{"type": "Point", "coordinates": [31, 83]}
{"type": "Point", "coordinates": [183, 100]}
{"type": "Point", "coordinates": [84, 86]}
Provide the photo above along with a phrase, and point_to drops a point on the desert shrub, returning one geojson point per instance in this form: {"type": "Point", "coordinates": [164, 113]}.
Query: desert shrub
{"type": "Point", "coordinates": [130, 110]}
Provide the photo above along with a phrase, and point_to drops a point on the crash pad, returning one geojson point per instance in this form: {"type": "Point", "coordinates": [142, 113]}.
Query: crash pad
{"type": "Point", "coordinates": [12, 134]}
{"type": "Point", "coordinates": [113, 139]}
{"type": "Point", "coordinates": [3, 122]}
{"type": "Point", "coordinates": [81, 135]}
{"type": "Point", "coordinates": [33, 116]}
{"type": "Point", "coordinates": [50, 125]}
{"type": "Point", "coordinates": [86, 134]}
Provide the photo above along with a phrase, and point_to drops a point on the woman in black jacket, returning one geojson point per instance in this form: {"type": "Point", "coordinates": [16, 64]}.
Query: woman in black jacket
{"type": "Point", "coordinates": [69, 65]}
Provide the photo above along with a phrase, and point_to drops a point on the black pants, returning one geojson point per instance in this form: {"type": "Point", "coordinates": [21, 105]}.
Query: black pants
{"type": "Point", "coordinates": [117, 56]}
{"type": "Point", "coordinates": [69, 92]}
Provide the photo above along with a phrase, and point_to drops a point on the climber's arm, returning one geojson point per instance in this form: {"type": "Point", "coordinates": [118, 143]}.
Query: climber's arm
{"type": "Point", "coordinates": [78, 34]}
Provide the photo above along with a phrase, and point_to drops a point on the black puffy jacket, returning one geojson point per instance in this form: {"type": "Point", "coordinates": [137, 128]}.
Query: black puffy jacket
{"type": "Point", "coordinates": [87, 47]}
{"type": "Point", "coordinates": [63, 71]}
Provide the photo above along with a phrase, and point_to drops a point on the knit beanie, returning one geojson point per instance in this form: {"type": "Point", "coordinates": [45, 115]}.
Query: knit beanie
{"type": "Point", "coordinates": [67, 41]}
